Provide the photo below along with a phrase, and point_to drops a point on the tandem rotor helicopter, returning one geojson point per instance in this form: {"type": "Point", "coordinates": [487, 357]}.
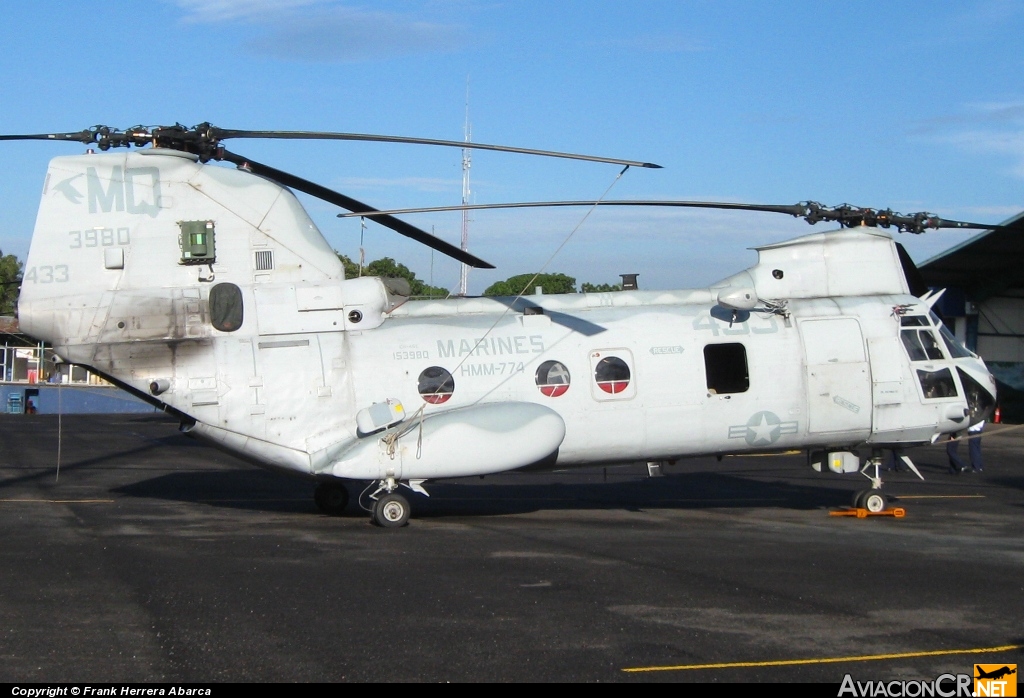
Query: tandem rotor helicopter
{"type": "Point", "coordinates": [209, 292]}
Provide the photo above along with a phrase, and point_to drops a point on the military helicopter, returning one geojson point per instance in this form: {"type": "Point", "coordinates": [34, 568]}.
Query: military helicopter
{"type": "Point", "coordinates": [209, 292]}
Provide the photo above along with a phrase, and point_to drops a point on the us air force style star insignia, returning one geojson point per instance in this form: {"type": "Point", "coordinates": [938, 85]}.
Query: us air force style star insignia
{"type": "Point", "coordinates": [763, 428]}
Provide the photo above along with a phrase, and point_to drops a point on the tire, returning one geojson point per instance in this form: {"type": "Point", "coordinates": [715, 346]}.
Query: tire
{"type": "Point", "coordinates": [391, 511]}
{"type": "Point", "coordinates": [875, 501]}
{"type": "Point", "coordinates": [331, 498]}
{"type": "Point", "coordinates": [858, 498]}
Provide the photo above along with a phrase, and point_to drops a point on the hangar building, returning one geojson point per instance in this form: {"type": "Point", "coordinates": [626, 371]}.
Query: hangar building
{"type": "Point", "coordinates": [984, 304]}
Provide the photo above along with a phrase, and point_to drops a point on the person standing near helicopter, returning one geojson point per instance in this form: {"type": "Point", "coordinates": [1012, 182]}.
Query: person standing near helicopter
{"type": "Point", "coordinates": [973, 450]}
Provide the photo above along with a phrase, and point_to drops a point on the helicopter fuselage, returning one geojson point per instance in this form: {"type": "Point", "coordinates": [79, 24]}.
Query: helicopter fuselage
{"type": "Point", "coordinates": [211, 292]}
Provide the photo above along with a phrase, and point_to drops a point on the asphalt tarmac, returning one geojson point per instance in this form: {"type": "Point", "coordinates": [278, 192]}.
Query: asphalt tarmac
{"type": "Point", "coordinates": [154, 558]}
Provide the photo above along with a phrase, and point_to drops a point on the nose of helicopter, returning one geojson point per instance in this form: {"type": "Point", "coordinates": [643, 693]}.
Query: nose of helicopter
{"type": "Point", "coordinates": [980, 390]}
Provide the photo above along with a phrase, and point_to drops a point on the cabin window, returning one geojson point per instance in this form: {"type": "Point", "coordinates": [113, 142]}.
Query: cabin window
{"type": "Point", "coordinates": [553, 378]}
{"type": "Point", "coordinates": [612, 375]}
{"type": "Point", "coordinates": [226, 307]}
{"type": "Point", "coordinates": [436, 385]}
{"type": "Point", "coordinates": [937, 384]}
{"type": "Point", "coordinates": [914, 321]}
{"type": "Point", "coordinates": [726, 367]}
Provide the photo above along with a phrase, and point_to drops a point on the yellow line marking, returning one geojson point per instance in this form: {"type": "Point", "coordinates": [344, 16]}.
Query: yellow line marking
{"type": "Point", "coordinates": [57, 501]}
{"type": "Point", "coordinates": [941, 496]}
{"type": "Point", "coordinates": [652, 506]}
{"type": "Point", "coordinates": [825, 660]}
{"type": "Point", "coordinates": [250, 499]}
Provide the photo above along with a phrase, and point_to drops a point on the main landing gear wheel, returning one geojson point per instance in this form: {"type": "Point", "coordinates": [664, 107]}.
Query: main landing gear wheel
{"type": "Point", "coordinates": [331, 498]}
{"type": "Point", "coordinates": [872, 500]}
{"type": "Point", "coordinates": [391, 511]}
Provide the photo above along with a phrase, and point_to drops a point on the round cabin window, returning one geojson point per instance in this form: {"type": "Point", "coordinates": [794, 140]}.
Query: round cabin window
{"type": "Point", "coordinates": [436, 385]}
{"type": "Point", "coordinates": [612, 375]}
{"type": "Point", "coordinates": [552, 378]}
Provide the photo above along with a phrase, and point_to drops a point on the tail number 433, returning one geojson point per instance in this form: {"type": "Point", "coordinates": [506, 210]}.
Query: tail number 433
{"type": "Point", "coordinates": [47, 275]}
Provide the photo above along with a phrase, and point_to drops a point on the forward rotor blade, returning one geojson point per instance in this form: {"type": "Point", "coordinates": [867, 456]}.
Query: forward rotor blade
{"type": "Point", "coordinates": [813, 212]}
{"type": "Point", "coordinates": [796, 210]}
{"type": "Point", "coordinates": [223, 133]}
{"type": "Point", "coordinates": [358, 208]}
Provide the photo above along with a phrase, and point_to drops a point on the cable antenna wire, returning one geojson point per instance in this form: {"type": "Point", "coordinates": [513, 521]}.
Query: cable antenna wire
{"type": "Point", "coordinates": [543, 268]}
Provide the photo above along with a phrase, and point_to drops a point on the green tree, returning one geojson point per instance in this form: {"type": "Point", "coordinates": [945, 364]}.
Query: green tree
{"type": "Point", "coordinates": [351, 268]}
{"type": "Point", "coordinates": [525, 284]}
{"type": "Point", "coordinates": [599, 288]}
{"type": "Point", "coordinates": [388, 268]}
{"type": "Point", "coordinates": [10, 283]}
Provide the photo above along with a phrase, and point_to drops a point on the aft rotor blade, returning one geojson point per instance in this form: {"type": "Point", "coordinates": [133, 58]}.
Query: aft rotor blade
{"type": "Point", "coordinates": [79, 136]}
{"type": "Point", "coordinates": [223, 133]}
{"type": "Point", "coordinates": [358, 208]}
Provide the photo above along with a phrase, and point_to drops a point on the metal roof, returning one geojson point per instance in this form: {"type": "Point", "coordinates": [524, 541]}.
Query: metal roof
{"type": "Point", "coordinates": [982, 266]}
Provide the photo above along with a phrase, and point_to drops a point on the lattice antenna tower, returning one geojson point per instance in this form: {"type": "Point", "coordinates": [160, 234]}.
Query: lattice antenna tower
{"type": "Point", "coordinates": [466, 160]}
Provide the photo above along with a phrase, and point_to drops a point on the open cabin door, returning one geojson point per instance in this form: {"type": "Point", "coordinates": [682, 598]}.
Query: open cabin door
{"type": "Point", "coordinates": [838, 377]}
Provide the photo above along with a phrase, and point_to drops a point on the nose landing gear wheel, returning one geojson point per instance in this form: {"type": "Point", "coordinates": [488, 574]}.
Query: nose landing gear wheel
{"type": "Point", "coordinates": [391, 511]}
{"type": "Point", "coordinates": [331, 498]}
{"type": "Point", "coordinates": [872, 500]}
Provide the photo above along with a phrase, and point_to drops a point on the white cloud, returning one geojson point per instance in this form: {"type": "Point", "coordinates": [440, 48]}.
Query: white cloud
{"type": "Point", "coordinates": [987, 128]}
{"type": "Point", "coordinates": [1000, 142]}
{"type": "Point", "coordinates": [208, 11]}
{"type": "Point", "coordinates": [327, 31]}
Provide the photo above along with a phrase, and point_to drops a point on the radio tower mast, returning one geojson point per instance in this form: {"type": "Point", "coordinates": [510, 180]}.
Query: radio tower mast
{"type": "Point", "coordinates": [466, 156]}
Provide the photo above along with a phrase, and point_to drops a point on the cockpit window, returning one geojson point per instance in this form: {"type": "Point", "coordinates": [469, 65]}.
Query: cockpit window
{"type": "Point", "coordinates": [913, 346]}
{"type": "Point", "coordinates": [980, 401]}
{"type": "Point", "coordinates": [914, 321]}
{"type": "Point", "coordinates": [956, 350]}
{"type": "Point", "coordinates": [937, 384]}
{"type": "Point", "coordinates": [921, 345]}
{"type": "Point", "coordinates": [931, 344]}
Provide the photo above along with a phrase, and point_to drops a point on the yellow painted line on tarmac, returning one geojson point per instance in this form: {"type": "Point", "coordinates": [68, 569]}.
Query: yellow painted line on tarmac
{"type": "Point", "coordinates": [250, 499]}
{"type": "Point", "coordinates": [941, 496]}
{"type": "Point", "coordinates": [57, 501]}
{"type": "Point", "coordinates": [825, 660]}
{"type": "Point", "coordinates": [585, 501]}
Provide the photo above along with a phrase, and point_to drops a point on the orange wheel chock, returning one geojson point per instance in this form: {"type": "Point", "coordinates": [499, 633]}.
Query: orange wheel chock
{"type": "Point", "coordinates": [895, 512]}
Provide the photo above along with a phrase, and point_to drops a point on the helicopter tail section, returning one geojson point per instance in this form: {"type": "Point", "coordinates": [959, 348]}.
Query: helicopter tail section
{"type": "Point", "coordinates": [148, 266]}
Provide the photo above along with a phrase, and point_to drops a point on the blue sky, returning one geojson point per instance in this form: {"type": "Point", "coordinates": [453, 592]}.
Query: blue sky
{"type": "Point", "coordinates": [910, 105]}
